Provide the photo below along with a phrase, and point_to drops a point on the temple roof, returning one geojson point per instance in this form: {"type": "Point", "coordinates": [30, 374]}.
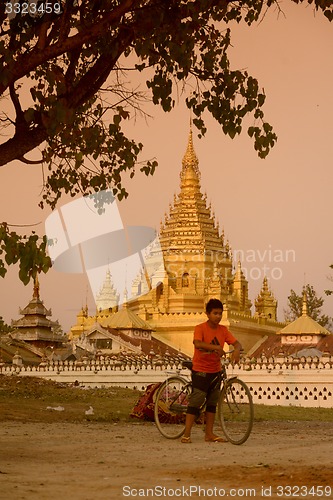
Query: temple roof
{"type": "Point", "coordinates": [272, 346]}
{"type": "Point", "coordinates": [151, 346]}
{"type": "Point", "coordinates": [34, 324]}
{"type": "Point", "coordinates": [125, 318]}
{"type": "Point", "coordinates": [35, 306]}
{"type": "Point", "coordinates": [304, 325]}
{"type": "Point", "coordinates": [28, 354]}
{"type": "Point", "coordinates": [34, 321]}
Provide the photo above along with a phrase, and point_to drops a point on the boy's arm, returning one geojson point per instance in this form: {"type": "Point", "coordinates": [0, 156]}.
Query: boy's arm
{"type": "Point", "coordinates": [200, 344]}
{"type": "Point", "coordinates": [235, 355]}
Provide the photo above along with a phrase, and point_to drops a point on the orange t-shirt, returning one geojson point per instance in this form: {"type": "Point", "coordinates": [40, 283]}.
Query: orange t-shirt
{"type": "Point", "coordinates": [210, 361]}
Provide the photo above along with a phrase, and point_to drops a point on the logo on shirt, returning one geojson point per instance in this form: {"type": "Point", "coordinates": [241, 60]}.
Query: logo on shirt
{"type": "Point", "coordinates": [215, 341]}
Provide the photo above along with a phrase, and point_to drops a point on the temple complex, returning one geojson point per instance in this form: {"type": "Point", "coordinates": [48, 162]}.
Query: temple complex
{"type": "Point", "coordinates": [132, 342]}
{"type": "Point", "coordinates": [198, 265]}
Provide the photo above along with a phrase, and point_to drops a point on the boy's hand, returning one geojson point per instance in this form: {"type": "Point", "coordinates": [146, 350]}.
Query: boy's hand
{"type": "Point", "coordinates": [219, 350]}
{"type": "Point", "coordinates": [235, 355]}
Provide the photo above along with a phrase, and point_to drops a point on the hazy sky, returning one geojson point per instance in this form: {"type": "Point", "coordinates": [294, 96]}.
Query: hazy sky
{"type": "Point", "coordinates": [275, 212]}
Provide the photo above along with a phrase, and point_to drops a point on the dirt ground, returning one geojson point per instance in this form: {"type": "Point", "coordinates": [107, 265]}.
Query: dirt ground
{"type": "Point", "coordinates": [115, 461]}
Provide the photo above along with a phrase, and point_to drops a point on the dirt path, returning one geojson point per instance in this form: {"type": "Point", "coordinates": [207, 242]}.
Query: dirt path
{"type": "Point", "coordinates": [100, 461]}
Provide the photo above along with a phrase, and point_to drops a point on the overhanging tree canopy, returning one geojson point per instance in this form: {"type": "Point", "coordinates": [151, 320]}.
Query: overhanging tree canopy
{"type": "Point", "coordinates": [73, 57]}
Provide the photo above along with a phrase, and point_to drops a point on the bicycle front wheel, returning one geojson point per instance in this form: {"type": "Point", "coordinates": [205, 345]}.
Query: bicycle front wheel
{"type": "Point", "coordinates": [235, 411]}
{"type": "Point", "coordinates": [170, 407]}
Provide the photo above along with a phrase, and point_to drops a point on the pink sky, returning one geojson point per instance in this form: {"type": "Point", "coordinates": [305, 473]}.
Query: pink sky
{"type": "Point", "coordinates": [271, 210]}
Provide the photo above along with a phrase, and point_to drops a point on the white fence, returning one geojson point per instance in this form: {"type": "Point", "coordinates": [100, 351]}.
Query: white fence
{"type": "Point", "coordinates": [281, 381]}
{"type": "Point", "coordinates": [290, 382]}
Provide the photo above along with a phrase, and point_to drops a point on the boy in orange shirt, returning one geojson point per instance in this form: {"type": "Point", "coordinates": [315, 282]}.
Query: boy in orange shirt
{"type": "Point", "coordinates": [209, 339]}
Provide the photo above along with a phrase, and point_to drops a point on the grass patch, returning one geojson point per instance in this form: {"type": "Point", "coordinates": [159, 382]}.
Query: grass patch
{"type": "Point", "coordinates": [27, 399]}
{"type": "Point", "coordinates": [285, 413]}
{"type": "Point", "coordinates": [38, 400]}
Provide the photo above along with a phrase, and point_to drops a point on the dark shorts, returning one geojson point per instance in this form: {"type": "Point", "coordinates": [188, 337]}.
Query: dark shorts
{"type": "Point", "coordinates": [205, 387]}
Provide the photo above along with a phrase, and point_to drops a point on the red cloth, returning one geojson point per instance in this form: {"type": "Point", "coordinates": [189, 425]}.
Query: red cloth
{"type": "Point", "coordinates": [144, 408]}
{"type": "Point", "coordinates": [210, 361]}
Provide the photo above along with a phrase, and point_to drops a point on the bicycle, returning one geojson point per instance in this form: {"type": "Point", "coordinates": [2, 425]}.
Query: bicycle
{"type": "Point", "coordinates": [235, 406]}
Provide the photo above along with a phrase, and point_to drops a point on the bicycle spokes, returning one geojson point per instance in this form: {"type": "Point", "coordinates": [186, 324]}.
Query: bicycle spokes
{"type": "Point", "coordinates": [170, 407]}
{"type": "Point", "coordinates": [236, 411]}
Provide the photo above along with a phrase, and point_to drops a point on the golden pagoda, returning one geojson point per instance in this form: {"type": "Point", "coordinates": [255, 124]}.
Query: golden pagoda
{"type": "Point", "coordinates": [198, 265]}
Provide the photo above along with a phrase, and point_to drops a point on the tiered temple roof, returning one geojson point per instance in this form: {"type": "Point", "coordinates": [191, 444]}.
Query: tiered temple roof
{"type": "Point", "coordinates": [34, 326]}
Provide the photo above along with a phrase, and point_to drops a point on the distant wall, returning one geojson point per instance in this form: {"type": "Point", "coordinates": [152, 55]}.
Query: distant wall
{"type": "Point", "coordinates": [281, 381]}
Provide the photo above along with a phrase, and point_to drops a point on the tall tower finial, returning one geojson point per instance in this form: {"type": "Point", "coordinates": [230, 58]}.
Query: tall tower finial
{"type": "Point", "coordinates": [305, 304]}
{"type": "Point", "coordinates": [36, 288]}
{"type": "Point", "coordinates": [190, 159]}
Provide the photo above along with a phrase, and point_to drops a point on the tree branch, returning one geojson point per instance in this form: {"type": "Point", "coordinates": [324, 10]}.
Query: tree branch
{"type": "Point", "coordinates": [97, 75]}
{"type": "Point", "coordinates": [30, 162]}
{"type": "Point", "coordinates": [28, 62]}
{"type": "Point", "coordinates": [20, 123]}
{"type": "Point", "coordinates": [21, 143]}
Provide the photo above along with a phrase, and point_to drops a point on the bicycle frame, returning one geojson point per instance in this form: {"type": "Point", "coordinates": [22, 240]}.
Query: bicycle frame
{"type": "Point", "coordinates": [181, 408]}
{"type": "Point", "coordinates": [235, 406]}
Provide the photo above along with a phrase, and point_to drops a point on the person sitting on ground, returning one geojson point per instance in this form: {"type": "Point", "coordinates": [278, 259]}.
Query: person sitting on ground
{"type": "Point", "coordinates": [209, 339]}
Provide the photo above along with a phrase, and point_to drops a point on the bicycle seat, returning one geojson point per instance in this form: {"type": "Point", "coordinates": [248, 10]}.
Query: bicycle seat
{"type": "Point", "coordinates": [187, 364]}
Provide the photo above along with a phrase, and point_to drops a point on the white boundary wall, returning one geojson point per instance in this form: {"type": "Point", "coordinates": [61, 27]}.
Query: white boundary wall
{"type": "Point", "coordinates": [280, 381]}
{"type": "Point", "coordinates": [289, 384]}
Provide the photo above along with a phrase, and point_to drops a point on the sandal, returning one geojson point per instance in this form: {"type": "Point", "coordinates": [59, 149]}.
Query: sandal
{"type": "Point", "coordinates": [186, 439]}
{"type": "Point", "coordinates": [216, 439]}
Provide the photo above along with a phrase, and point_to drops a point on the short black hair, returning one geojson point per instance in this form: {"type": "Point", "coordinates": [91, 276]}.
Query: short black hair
{"type": "Point", "coordinates": [213, 304]}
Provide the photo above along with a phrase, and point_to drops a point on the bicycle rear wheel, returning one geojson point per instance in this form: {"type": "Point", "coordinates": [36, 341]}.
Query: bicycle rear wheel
{"type": "Point", "coordinates": [235, 411]}
{"type": "Point", "coordinates": [170, 407]}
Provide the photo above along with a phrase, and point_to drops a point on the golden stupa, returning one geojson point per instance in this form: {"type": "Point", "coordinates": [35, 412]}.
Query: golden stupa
{"type": "Point", "coordinates": [198, 265]}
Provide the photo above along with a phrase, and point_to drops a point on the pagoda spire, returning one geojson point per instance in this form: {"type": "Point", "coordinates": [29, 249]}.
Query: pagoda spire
{"type": "Point", "coordinates": [190, 226]}
{"type": "Point", "coordinates": [108, 296]}
{"type": "Point", "coordinates": [264, 287]}
{"type": "Point", "coordinates": [190, 160]}
{"type": "Point", "coordinates": [36, 288]}
{"type": "Point", "coordinates": [265, 303]}
{"type": "Point", "coordinates": [125, 299]}
{"type": "Point", "coordinates": [239, 273]}
{"type": "Point", "coordinates": [305, 305]}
